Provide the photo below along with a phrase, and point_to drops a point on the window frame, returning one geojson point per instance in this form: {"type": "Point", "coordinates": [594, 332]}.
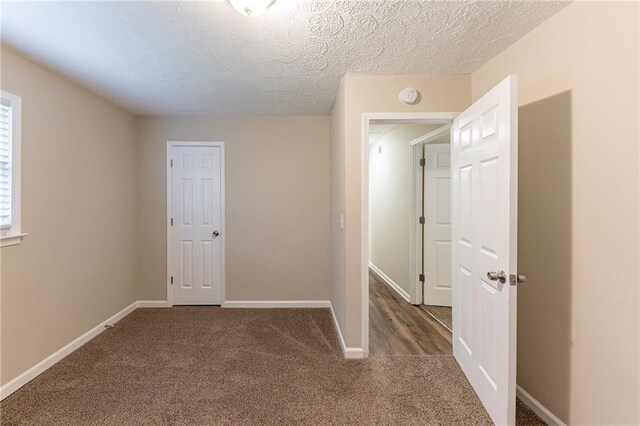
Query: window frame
{"type": "Point", "coordinates": [11, 235]}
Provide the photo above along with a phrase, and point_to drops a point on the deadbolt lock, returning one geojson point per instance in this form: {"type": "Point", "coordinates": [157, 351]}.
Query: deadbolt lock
{"type": "Point", "coordinates": [517, 278]}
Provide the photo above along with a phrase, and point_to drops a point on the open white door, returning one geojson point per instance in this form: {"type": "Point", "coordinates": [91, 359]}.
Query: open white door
{"type": "Point", "coordinates": [484, 166]}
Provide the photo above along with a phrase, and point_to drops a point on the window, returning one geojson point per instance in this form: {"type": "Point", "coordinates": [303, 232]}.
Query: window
{"type": "Point", "coordinates": [10, 115]}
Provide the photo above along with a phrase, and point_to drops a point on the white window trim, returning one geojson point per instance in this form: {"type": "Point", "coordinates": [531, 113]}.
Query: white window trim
{"type": "Point", "coordinates": [14, 234]}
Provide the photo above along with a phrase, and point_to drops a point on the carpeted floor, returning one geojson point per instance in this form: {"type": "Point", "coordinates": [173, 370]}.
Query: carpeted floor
{"type": "Point", "coordinates": [208, 365]}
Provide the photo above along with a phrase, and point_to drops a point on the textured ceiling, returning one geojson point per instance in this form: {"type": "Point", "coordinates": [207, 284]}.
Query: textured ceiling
{"type": "Point", "coordinates": [183, 58]}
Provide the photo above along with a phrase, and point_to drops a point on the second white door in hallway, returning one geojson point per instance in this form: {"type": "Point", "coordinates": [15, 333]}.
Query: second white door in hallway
{"type": "Point", "coordinates": [196, 225]}
{"type": "Point", "coordinates": [437, 230]}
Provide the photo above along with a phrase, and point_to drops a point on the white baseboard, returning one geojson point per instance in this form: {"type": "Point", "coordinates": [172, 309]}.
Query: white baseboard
{"type": "Point", "coordinates": [390, 282]}
{"type": "Point", "coordinates": [348, 352]}
{"type": "Point", "coordinates": [43, 365]}
{"type": "Point", "coordinates": [542, 411]}
{"type": "Point", "coordinates": [276, 304]}
{"type": "Point", "coordinates": [52, 359]}
{"type": "Point", "coordinates": [152, 304]}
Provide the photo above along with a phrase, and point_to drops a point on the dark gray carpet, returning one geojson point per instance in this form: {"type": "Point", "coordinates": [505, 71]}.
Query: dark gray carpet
{"type": "Point", "coordinates": [208, 365]}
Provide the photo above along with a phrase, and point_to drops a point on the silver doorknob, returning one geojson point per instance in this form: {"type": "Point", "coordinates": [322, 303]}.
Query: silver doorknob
{"type": "Point", "coordinates": [497, 276]}
{"type": "Point", "coordinates": [215, 234]}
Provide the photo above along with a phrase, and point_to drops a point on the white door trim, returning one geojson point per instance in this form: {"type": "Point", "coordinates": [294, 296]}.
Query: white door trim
{"type": "Point", "coordinates": [416, 290]}
{"type": "Point", "coordinates": [432, 135]}
{"type": "Point", "coordinates": [170, 145]}
{"type": "Point", "coordinates": [367, 117]}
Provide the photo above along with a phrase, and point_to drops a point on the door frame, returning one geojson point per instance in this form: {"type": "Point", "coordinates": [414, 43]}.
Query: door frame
{"type": "Point", "coordinates": [174, 144]}
{"type": "Point", "coordinates": [416, 286]}
{"type": "Point", "coordinates": [401, 118]}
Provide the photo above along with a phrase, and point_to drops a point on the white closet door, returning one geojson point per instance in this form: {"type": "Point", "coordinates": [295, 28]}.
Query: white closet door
{"type": "Point", "coordinates": [196, 230]}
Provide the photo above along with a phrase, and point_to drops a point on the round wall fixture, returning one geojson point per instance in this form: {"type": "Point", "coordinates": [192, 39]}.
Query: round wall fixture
{"type": "Point", "coordinates": [251, 8]}
{"type": "Point", "coordinates": [408, 96]}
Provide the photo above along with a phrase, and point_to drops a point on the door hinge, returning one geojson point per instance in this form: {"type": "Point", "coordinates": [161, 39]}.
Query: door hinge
{"type": "Point", "coordinates": [171, 280]}
{"type": "Point", "coordinates": [421, 278]}
{"type": "Point", "coordinates": [421, 220]}
{"type": "Point", "coordinates": [171, 162]}
{"type": "Point", "coordinates": [171, 221]}
{"type": "Point", "coordinates": [423, 162]}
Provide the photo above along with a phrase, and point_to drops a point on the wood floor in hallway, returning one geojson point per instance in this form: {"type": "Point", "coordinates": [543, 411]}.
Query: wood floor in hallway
{"type": "Point", "coordinates": [399, 328]}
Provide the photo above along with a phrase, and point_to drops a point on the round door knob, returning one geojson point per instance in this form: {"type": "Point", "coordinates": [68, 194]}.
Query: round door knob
{"type": "Point", "coordinates": [497, 276]}
{"type": "Point", "coordinates": [215, 234]}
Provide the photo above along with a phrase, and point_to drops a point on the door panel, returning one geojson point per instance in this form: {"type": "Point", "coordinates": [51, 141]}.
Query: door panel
{"type": "Point", "coordinates": [484, 239]}
{"type": "Point", "coordinates": [196, 184]}
{"type": "Point", "coordinates": [437, 231]}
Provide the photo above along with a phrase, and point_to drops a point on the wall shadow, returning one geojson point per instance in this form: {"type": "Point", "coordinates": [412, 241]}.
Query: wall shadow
{"type": "Point", "coordinates": [544, 251]}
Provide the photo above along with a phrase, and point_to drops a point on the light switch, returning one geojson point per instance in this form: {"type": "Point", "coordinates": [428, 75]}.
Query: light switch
{"type": "Point", "coordinates": [342, 221]}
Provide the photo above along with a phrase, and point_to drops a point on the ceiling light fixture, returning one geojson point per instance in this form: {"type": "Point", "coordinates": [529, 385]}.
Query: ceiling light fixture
{"type": "Point", "coordinates": [251, 8]}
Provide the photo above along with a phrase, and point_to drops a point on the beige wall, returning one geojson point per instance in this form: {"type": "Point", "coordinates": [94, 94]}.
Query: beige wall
{"type": "Point", "coordinates": [277, 203]}
{"type": "Point", "coordinates": [78, 265]}
{"type": "Point", "coordinates": [390, 198]}
{"type": "Point", "coordinates": [337, 208]}
{"type": "Point", "coordinates": [579, 207]}
{"type": "Point", "coordinates": [372, 93]}
{"type": "Point", "coordinates": [578, 324]}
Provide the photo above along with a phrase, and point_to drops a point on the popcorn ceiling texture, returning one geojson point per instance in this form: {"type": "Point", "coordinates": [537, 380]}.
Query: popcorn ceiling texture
{"type": "Point", "coordinates": [203, 58]}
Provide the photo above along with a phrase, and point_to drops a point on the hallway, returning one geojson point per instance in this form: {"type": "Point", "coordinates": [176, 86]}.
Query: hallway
{"type": "Point", "coordinates": [398, 328]}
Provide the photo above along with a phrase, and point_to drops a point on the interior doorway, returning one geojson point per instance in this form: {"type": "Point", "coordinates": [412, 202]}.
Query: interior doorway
{"type": "Point", "coordinates": [433, 198]}
{"type": "Point", "coordinates": [399, 150]}
{"type": "Point", "coordinates": [484, 229]}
